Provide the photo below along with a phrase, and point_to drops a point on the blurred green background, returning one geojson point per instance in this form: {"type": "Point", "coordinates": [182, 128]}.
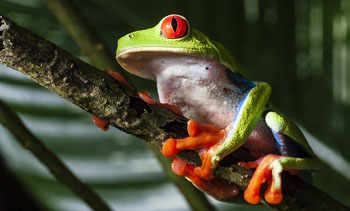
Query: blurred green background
{"type": "Point", "coordinates": [302, 48]}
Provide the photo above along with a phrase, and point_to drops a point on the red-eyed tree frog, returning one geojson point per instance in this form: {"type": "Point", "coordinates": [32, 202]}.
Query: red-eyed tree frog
{"type": "Point", "coordinates": [198, 78]}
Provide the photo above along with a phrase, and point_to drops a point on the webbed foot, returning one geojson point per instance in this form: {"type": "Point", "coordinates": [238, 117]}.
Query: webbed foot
{"type": "Point", "coordinates": [205, 139]}
{"type": "Point", "coordinates": [266, 170]}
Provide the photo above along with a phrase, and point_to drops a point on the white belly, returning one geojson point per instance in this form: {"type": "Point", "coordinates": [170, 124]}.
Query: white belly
{"type": "Point", "coordinates": [201, 93]}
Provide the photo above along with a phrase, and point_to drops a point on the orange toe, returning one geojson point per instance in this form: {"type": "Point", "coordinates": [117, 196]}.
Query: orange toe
{"type": "Point", "coordinates": [252, 164]}
{"type": "Point", "coordinates": [172, 108]}
{"type": "Point", "coordinates": [273, 198]}
{"type": "Point", "coordinates": [146, 96]}
{"type": "Point", "coordinates": [251, 197]}
{"type": "Point", "coordinates": [103, 125]}
{"type": "Point", "coordinates": [205, 171]}
{"type": "Point", "coordinates": [169, 148]}
{"type": "Point", "coordinates": [179, 167]}
{"type": "Point", "coordinates": [117, 76]}
{"type": "Point", "coordinates": [273, 195]}
{"type": "Point", "coordinates": [192, 128]}
{"type": "Point", "coordinates": [203, 140]}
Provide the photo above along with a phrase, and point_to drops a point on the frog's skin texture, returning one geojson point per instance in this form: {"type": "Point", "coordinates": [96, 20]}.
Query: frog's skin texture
{"type": "Point", "coordinates": [227, 111]}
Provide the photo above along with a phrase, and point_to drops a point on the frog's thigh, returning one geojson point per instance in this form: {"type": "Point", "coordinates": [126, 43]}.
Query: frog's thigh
{"type": "Point", "coordinates": [281, 124]}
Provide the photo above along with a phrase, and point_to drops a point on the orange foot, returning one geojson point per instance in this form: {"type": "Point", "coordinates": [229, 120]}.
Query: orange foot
{"type": "Point", "coordinates": [263, 173]}
{"type": "Point", "coordinates": [217, 188]}
{"type": "Point", "coordinates": [204, 138]}
{"type": "Point", "coordinates": [103, 125]}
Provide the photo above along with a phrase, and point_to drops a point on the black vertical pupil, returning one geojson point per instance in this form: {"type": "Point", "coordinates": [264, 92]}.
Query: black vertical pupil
{"type": "Point", "coordinates": [174, 24]}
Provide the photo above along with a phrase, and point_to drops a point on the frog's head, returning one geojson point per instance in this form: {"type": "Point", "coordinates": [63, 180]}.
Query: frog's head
{"type": "Point", "coordinates": [144, 52]}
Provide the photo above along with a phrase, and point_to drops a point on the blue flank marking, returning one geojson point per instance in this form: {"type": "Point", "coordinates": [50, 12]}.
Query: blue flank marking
{"type": "Point", "coordinates": [279, 143]}
{"type": "Point", "coordinates": [238, 110]}
{"type": "Point", "coordinates": [244, 85]}
{"type": "Point", "coordinates": [286, 146]}
{"type": "Point", "coordinates": [241, 82]}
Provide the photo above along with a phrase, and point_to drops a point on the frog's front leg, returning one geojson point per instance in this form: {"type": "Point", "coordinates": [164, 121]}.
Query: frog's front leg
{"type": "Point", "coordinates": [213, 144]}
{"type": "Point", "coordinates": [269, 167]}
{"type": "Point", "coordinates": [203, 138]}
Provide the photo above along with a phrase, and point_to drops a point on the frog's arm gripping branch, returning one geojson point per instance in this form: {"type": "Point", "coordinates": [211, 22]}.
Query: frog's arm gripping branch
{"type": "Point", "coordinates": [252, 106]}
{"type": "Point", "coordinates": [96, 92]}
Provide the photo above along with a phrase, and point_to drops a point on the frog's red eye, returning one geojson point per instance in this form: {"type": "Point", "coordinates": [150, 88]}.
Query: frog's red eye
{"type": "Point", "coordinates": [174, 26]}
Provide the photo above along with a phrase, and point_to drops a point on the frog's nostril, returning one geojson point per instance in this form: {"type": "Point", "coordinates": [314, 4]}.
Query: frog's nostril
{"type": "Point", "coordinates": [131, 36]}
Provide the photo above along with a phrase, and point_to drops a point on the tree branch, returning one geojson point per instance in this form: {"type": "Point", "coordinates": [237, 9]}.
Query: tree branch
{"type": "Point", "coordinates": [97, 93]}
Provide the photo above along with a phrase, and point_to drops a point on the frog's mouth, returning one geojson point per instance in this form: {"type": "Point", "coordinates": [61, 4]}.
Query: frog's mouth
{"type": "Point", "coordinates": [148, 62]}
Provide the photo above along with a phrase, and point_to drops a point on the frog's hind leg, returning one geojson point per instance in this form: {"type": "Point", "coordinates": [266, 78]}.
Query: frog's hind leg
{"type": "Point", "coordinates": [269, 168]}
{"type": "Point", "coordinates": [290, 143]}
